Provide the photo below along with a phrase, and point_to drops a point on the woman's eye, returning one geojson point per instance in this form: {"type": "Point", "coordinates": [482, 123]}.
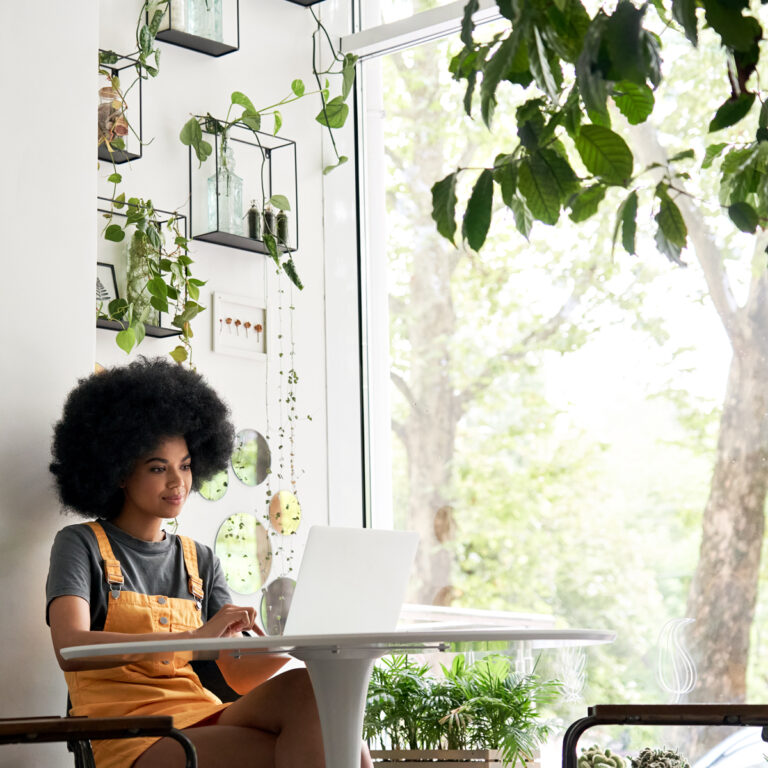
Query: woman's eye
{"type": "Point", "coordinates": [157, 469]}
{"type": "Point", "coordinates": [186, 467]}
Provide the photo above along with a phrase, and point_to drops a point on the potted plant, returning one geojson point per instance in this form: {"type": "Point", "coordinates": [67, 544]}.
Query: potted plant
{"type": "Point", "coordinates": [481, 712]}
{"type": "Point", "coordinates": [595, 757]}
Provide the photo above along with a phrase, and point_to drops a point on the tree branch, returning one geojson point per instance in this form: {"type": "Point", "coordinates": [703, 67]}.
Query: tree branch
{"type": "Point", "coordinates": [402, 385]}
{"type": "Point", "coordinates": [540, 334]}
{"type": "Point", "coordinates": [647, 146]}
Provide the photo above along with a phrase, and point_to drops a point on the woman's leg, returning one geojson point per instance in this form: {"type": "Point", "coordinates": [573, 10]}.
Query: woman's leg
{"type": "Point", "coordinates": [216, 745]}
{"type": "Point", "coordinates": [281, 725]}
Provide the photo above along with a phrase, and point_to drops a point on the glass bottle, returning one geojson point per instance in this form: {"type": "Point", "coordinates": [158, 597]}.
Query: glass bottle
{"type": "Point", "coordinates": [254, 222]}
{"type": "Point", "coordinates": [230, 195]}
{"type": "Point", "coordinates": [204, 19]}
{"type": "Point", "coordinates": [137, 278]}
{"type": "Point", "coordinates": [269, 220]}
{"type": "Point", "coordinates": [178, 11]}
{"type": "Point", "coordinates": [282, 227]}
{"type": "Point", "coordinates": [111, 117]}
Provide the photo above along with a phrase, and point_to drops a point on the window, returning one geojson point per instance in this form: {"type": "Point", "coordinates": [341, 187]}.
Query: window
{"type": "Point", "coordinates": [546, 412]}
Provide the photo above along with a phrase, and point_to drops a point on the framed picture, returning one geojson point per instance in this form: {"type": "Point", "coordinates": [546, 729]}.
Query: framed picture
{"type": "Point", "coordinates": [106, 285]}
{"type": "Point", "coordinates": [239, 326]}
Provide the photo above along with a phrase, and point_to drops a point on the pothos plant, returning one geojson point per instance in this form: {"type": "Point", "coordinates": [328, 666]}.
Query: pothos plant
{"type": "Point", "coordinates": [113, 123]}
{"type": "Point", "coordinates": [161, 278]}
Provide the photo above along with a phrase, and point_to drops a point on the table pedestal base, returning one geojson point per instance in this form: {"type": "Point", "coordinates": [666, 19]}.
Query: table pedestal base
{"type": "Point", "coordinates": [340, 691]}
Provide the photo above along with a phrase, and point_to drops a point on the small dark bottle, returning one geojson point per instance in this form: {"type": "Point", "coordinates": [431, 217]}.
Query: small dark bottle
{"type": "Point", "coordinates": [282, 227]}
{"type": "Point", "coordinates": [269, 220]}
{"type": "Point", "coordinates": [254, 222]}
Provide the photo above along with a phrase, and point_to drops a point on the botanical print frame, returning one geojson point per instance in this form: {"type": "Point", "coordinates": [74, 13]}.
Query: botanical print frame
{"type": "Point", "coordinates": [239, 326]}
{"type": "Point", "coordinates": [106, 284]}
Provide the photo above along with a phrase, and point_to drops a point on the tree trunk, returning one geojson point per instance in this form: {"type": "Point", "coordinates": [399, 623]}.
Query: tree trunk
{"type": "Point", "coordinates": [724, 589]}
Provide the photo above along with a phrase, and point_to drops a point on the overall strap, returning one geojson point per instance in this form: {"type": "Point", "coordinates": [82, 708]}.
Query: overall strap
{"type": "Point", "coordinates": [195, 583]}
{"type": "Point", "coordinates": [112, 571]}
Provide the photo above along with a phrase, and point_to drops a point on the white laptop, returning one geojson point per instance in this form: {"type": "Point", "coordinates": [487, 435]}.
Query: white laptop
{"type": "Point", "coordinates": [351, 580]}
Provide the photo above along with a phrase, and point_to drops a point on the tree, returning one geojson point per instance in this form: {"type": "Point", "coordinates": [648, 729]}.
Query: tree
{"type": "Point", "coordinates": [566, 158]}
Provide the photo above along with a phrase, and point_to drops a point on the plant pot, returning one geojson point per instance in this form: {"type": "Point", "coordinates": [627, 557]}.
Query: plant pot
{"type": "Point", "coordinates": [440, 758]}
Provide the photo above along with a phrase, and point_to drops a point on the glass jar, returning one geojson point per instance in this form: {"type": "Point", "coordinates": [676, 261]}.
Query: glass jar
{"type": "Point", "coordinates": [205, 19]}
{"type": "Point", "coordinates": [137, 277]}
{"type": "Point", "coordinates": [111, 115]}
{"type": "Point", "coordinates": [225, 195]}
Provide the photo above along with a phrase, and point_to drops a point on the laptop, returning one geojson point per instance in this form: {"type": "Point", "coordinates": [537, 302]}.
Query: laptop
{"type": "Point", "coordinates": [351, 580]}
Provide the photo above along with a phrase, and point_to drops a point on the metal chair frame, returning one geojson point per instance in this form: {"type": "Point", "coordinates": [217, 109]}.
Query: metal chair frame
{"type": "Point", "coordinates": [79, 731]}
{"type": "Point", "coordinates": [662, 714]}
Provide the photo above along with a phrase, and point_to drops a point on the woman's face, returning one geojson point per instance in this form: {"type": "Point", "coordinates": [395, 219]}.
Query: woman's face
{"type": "Point", "coordinates": [160, 482]}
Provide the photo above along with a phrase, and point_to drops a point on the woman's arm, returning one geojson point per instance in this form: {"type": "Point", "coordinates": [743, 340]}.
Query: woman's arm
{"type": "Point", "coordinates": [244, 673]}
{"type": "Point", "coordinates": [70, 620]}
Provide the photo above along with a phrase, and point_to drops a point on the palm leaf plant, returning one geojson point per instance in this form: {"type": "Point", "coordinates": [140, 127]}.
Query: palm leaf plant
{"type": "Point", "coordinates": [484, 705]}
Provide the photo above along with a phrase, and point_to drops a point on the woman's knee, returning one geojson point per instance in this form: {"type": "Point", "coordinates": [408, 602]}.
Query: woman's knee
{"type": "Point", "coordinates": [297, 686]}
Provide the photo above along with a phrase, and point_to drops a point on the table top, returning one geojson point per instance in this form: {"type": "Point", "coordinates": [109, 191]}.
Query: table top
{"type": "Point", "coordinates": [412, 641]}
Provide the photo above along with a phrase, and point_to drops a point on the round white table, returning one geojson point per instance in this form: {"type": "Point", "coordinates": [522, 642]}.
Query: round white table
{"type": "Point", "coordinates": [340, 665]}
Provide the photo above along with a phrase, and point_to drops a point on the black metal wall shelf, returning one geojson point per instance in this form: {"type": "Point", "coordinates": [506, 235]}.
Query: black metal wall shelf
{"type": "Point", "coordinates": [176, 33]}
{"type": "Point", "coordinates": [305, 3]}
{"type": "Point", "coordinates": [129, 112]}
{"type": "Point", "coordinates": [159, 331]}
{"type": "Point", "coordinates": [155, 331]}
{"type": "Point", "coordinates": [245, 167]}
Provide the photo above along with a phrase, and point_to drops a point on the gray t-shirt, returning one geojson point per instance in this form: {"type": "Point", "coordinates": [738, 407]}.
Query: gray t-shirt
{"type": "Point", "coordinates": [149, 567]}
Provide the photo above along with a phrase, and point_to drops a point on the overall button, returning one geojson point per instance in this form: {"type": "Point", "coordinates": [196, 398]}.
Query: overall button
{"type": "Point", "coordinates": [161, 600]}
{"type": "Point", "coordinates": [165, 661]}
{"type": "Point", "coordinates": [163, 619]}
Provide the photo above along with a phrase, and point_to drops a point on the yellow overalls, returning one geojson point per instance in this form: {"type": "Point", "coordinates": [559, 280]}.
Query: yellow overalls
{"type": "Point", "coordinates": [168, 687]}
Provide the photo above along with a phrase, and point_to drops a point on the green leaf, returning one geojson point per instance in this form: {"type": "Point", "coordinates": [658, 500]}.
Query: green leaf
{"type": "Point", "coordinates": [585, 203]}
{"type": "Point", "coordinates": [713, 151]}
{"type": "Point", "coordinates": [126, 339]}
{"type": "Point", "coordinates": [628, 217]}
{"type": "Point", "coordinates": [278, 123]}
{"type": "Point", "coordinates": [114, 178]}
{"type": "Point", "coordinates": [115, 233]}
{"type": "Point", "coordinates": [670, 220]}
{"type": "Point", "coordinates": [157, 287]}
{"type": "Point", "coordinates": [540, 68]}
{"type": "Point", "coordinates": [539, 188]}
{"type": "Point", "coordinates": [605, 154]}
{"type": "Point", "coordinates": [191, 133]}
{"type": "Point", "coordinates": [523, 217]}
{"type": "Point", "coordinates": [668, 248]}
{"type": "Point", "coordinates": [444, 206]}
{"type": "Point", "coordinates": [505, 175]}
{"type": "Point", "coordinates": [328, 168]}
{"type": "Point", "coordinates": [731, 111]}
{"type": "Point", "coordinates": [119, 201]}
{"type": "Point", "coordinates": [179, 354]}
{"type": "Point", "coordinates": [736, 31]}
{"type": "Point", "coordinates": [495, 69]}
{"type": "Point", "coordinates": [763, 118]}
{"type": "Point", "coordinates": [240, 98]}
{"type": "Point", "coordinates": [348, 70]}
{"type": "Point", "coordinates": [160, 304]}
{"type": "Point", "coordinates": [623, 41]}
{"type": "Point", "coordinates": [334, 115]}
{"type": "Point", "coordinates": [467, 25]}
{"type": "Point", "coordinates": [744, 216]}
{"type": "Point", "coordinates": [477, 217]}
{"type": "Point", "coordinates": [139, 331]}
{"type": "Point", "coordinates": [144, 39]}
{"type": "Point", "coordinates": [589, 77]}
{"type": "Point", "coordinates": [290, 269]}
{"type": "Point", "coordinates": [252, 120]}
{"type": "Point", "coordinates": [271, 243]}
{"type": "Point", "coordinates": [298, 88]}
{"type": "Point", "coordinates": [684, 12]}
{"type": "Point", "coordinates": [634, 101]}
{"type": "Point", "coordinates": [686, 154]}
{"type": "Point", "coordinates": [281, 202]}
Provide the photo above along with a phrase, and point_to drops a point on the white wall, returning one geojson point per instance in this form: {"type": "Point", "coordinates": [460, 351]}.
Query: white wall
{"type": "Point", "coordinates": [48, 252]}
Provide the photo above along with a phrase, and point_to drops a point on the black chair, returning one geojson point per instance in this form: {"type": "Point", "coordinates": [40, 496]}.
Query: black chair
{"type": "Point", "coordinates": [662, 714]}
{"type": "Point", "coordinates": [79, 731]}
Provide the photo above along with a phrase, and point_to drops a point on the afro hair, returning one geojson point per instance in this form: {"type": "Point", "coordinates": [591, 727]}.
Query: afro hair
{"type": "Point", "coordinates": [113, 418]}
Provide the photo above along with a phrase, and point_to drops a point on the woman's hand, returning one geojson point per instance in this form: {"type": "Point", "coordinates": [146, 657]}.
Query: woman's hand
{"type": "Point", "coordinates": [230, 620]}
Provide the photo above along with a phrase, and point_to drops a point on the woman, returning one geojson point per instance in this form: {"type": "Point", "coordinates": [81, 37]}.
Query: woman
{"type": "Point", "coordinates": [131, 445]}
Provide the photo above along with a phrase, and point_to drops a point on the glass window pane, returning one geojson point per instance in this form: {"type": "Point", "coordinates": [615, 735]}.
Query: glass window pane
{"type": "Point", "coordinates": [546, 413]}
